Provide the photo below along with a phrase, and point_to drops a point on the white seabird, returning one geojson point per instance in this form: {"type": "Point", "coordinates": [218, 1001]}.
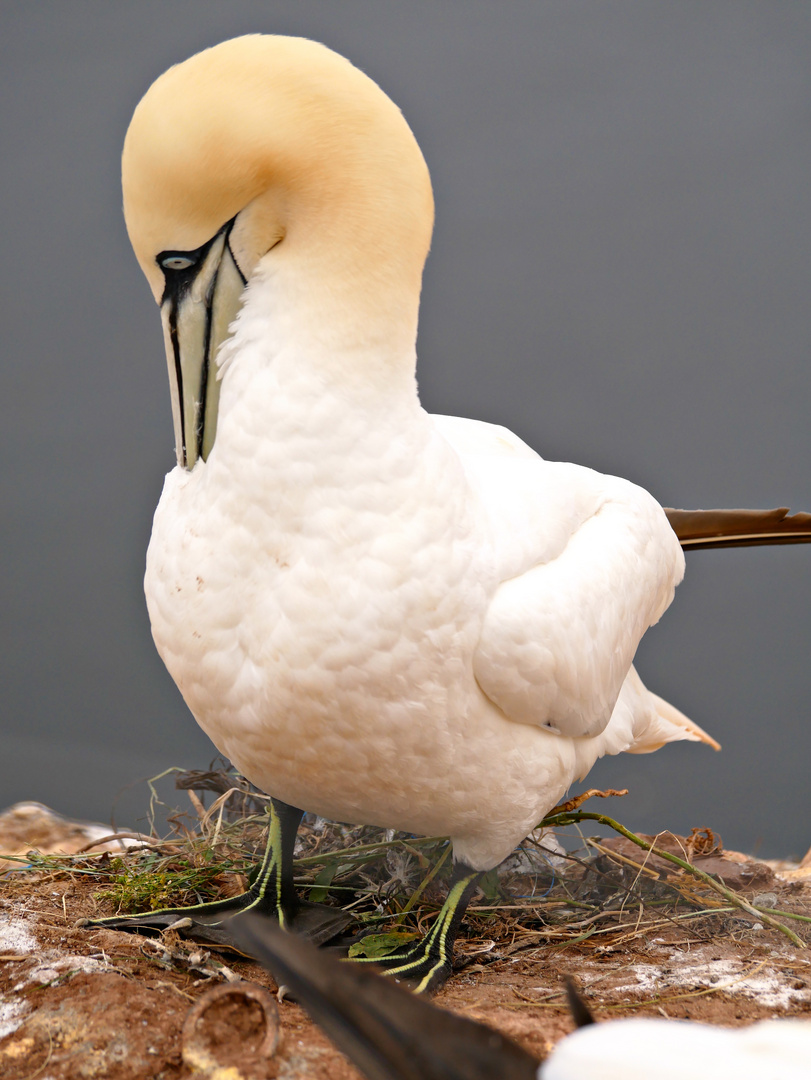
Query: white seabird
{"type": "Point", "coordinates": [378, 615]}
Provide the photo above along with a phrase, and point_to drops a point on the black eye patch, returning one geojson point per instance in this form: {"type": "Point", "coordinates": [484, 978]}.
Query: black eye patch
{"type": "Point", "coordinates": [181, 267]}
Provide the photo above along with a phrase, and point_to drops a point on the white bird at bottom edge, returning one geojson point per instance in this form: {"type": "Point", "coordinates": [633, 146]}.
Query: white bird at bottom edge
{"type": "Point", "coordinates": [381, 616]}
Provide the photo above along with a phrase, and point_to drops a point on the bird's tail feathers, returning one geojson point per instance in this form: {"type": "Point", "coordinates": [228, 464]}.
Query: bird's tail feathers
{"type": "Point", "coordinates": [642, 722]}
{"type": "Point", "coordinates": [668, 724]}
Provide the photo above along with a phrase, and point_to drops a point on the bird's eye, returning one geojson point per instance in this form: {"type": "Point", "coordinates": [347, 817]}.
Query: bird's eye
{"type": "Point", "coordinates": [177, 262]}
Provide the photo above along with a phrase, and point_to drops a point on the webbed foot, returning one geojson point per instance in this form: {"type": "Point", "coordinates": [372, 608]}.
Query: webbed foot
{"type": "Point", "coordinates": [426, 965]}
{"type": "Point", "coordinates": [271, 894]}
{"type": "Point", "coordinates": [209, 923]}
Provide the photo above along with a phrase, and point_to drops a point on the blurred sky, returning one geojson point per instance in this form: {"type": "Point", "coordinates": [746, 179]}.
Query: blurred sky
{"type": "Point", "coordinates": [620, 274]}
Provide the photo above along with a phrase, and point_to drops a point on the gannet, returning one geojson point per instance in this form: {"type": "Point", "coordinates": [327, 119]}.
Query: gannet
{"type": "Point", "coordinates": [378, 615]}
{"type": "Point", "coordinates": [392, 1035]}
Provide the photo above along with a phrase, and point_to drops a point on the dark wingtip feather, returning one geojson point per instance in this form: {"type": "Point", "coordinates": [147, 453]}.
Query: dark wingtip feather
{"type": "Point", "coordinates": [739, 528]}
{"type": "Point", "coordinates": [581, 1014]}
{"type": "Point", "coordinates": [385, 1030]}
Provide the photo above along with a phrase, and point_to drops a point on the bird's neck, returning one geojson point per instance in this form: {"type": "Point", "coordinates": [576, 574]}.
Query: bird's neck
{"type": "Point", "coordinates": [326, 320]}
{"type": "Point", "coordinates": [305, 377]}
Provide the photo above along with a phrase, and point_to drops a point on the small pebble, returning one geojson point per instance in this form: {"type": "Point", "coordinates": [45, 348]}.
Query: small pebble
{"type": "Point", "coordinates": [766, 899]}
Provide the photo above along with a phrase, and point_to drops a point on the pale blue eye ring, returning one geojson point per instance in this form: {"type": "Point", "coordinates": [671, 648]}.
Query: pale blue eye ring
{"type": "Point", "coordinates": [177, 262]}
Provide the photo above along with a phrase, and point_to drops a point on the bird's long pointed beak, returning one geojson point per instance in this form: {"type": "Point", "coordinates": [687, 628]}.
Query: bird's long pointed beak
{"type": "Point", "coordinates": [199, 304]}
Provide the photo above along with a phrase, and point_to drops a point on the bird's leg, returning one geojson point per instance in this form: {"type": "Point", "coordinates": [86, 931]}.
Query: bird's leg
{"type": "Point", "coordinates": [428, 964]}
{"type": "Point", "coordinates": [271, 894]}
{"type": "Point", "coordinates": [272, 887]}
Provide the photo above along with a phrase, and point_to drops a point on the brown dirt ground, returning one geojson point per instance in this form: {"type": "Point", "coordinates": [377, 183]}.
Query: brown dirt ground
{"type": "Point", "coordinates": [86, 1003]}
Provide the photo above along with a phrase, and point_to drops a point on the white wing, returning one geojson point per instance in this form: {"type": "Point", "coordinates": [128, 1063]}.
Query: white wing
{"type": "Point", "coordinates": [586, 562]}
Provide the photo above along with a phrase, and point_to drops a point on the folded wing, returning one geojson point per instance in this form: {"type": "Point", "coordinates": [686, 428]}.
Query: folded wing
{"type": "Point", "coordinates": [586, 562]}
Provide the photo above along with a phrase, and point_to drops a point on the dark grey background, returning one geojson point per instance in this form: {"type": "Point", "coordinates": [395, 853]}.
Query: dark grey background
{"type": "Point", "coordinates": [620, 274]}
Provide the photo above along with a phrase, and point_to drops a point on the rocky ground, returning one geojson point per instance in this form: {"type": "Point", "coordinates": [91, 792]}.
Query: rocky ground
{"type": "Point", "coordinates": [86, 1003]}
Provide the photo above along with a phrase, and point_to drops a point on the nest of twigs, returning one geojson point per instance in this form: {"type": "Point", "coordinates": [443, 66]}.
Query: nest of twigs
{"type": "Point", "coordinates": [595, 894]}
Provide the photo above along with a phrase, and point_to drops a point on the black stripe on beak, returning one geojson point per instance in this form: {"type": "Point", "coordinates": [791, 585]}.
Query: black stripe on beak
{"type": "Point", "coordinates": [180, 270]}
